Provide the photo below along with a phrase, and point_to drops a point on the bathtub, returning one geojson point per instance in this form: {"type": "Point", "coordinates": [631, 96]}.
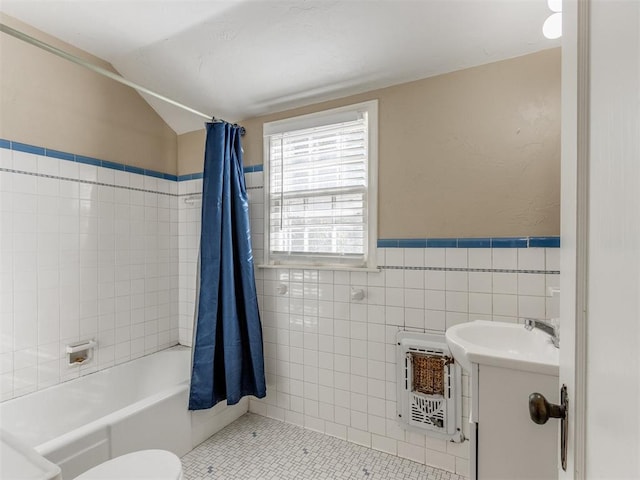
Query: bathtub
{"type": "Point", "coordinates": [137, 405]}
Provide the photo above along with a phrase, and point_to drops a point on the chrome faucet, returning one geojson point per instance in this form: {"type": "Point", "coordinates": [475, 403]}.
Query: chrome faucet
{"type": "Point", "coordinates": [551, 327]}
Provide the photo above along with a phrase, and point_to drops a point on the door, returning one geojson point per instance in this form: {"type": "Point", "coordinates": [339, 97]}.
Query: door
{"type": "Point", "coordinates": [600, 306]}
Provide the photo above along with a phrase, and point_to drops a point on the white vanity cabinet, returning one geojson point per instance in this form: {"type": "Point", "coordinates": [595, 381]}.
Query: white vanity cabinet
{"type": "Point", "coordinates": [506, 363]}
{"type": "Point", "coordinates": [508, 444]}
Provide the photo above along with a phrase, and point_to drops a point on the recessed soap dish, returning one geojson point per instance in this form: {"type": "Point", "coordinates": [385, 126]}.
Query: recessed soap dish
{"type": "Point", "coordinates": [81, 352]}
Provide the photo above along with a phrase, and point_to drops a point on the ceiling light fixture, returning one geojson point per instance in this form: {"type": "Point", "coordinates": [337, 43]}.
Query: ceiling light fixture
{"type": "Point", "coordinates": [552, 27]}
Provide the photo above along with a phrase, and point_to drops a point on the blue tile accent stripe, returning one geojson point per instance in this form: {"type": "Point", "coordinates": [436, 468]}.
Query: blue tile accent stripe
{"type": "Point", "coordinates": [493, 242]}
{"type": "Point", "coordinates": [509, 242]}
{"type": "Point", "coordinates": [474, 243]}
{"type": "Point", "coordinates": [153, 173]}
{"type": "Point", "coordinates": [112, 165]}
{"type": "Point", "coordinates": [23, 147]}
{"type": "Point", "coordinates": [387, 243]}
{"type": "Point", "coordinates": [194, 176]}
{"type": "Point", "coordinates": [442, 243]}
{"type": "Point", "coordinates": [546, 242]}
{"type": "Point", "coordinates": [131, 169]}
{"type": "Point", "coordinates": [412, 243]}
{"type": "Point", "coordinates": [190, 176]}
{"type": "Point", "coordinates": [60, 155]}
{"type": "Point", "coordinates": [87, 160]}
{"type": "Point", "coordinates": [48, 152]}
{"type": "Point", "coordinates": [402, 242]}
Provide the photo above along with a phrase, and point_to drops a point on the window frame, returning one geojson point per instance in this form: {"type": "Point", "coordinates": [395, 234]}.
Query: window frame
{"type": "Point", "coordinates": [327, 117]}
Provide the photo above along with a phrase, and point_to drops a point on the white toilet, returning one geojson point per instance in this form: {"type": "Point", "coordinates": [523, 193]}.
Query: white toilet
{"type": "Point", "coordinates": [145, 464]}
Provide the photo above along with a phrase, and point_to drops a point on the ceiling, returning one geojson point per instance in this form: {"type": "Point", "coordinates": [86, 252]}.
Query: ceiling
{"type": "Point", "coordinates": [241, 58]}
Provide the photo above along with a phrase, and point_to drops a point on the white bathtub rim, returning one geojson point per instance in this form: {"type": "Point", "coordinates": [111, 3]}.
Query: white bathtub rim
{"type": "Point", "coordinates": [46, 443]}
{"type": "Point", "coordinates": [104, 422]}
{"type": "Point", "coordinates": [176, 347]}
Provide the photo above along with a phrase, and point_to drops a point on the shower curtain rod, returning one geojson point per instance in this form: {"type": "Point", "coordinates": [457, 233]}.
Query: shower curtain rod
{"type": "Point", "coordinates": [102, 71]}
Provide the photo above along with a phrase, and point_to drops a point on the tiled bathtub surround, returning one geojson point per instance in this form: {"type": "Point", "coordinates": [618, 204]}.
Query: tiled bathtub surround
{"type": "Point", "coordinates": [189, 215]}
{"type": "Point", "coordinates": [87, 251]}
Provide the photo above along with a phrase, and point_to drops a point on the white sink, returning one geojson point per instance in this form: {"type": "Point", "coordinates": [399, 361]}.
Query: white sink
{"type": "Point", "coordinates": [506, 345]}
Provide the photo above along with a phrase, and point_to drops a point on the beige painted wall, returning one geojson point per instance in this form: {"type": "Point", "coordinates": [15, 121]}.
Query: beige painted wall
{"type": "Point", "coordinates": [191, 152]}
{"type": "Point", "coordinates": [471, 153]}
{"type": "Point", "coordinates": [49, 102]}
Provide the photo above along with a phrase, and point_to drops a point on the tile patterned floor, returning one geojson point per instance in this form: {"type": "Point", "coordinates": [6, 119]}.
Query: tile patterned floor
{"type": "Point", "coordinates": [257, 448]}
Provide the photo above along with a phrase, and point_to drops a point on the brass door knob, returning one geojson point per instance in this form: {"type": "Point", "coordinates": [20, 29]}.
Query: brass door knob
{"type": "Point", "coordinates": [540, 410]}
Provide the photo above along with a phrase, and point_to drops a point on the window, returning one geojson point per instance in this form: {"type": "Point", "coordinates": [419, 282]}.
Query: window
{"type": "Point", "coordinates": [320, 184]}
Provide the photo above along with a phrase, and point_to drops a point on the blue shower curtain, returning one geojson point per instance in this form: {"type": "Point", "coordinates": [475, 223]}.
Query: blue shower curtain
{"type": "Point", "coordinates": [228, 361]}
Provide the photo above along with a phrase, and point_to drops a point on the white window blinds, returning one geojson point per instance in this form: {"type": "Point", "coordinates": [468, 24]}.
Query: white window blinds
{"type": "Point", "coordinates": [318, 198]}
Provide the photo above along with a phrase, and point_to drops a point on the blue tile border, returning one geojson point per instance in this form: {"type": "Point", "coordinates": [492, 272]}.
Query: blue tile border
{"type": "Point", "coordinates": [87, 160]}
{"type": "Point", "coordinates": [474, 243]}
{"type": "Point", "coordinates": [507, 242]}
{"type": "Point", "coordinates": [442, 243]}
{"type": "Point", "coordinates": [153, 173]}
{"type": "Point", "coordinates": [545, 242]}
{"type": "Point", "coordinates": [190, 176]}
{"type": "Point", "coordinates": [48, 152]}
{"type": "Point", "coordinates": [412, 243]}
{"type": "Point", "coordinates": [402, 242]}
{"type": "Point", "coordinates": [132, 169]}
{"type": "Point", "coordinates": [253, 168]}
{"type": "Point", "coordinates": [23, 147]}
{"type": "Point", "coordinates": [112, 165]}
{"type": "Point", "coordinates": [60, 155]}
{"type": "Point", "coordinates": [387, 243]}
{"type": "Point", "coordinates": [487, 242]}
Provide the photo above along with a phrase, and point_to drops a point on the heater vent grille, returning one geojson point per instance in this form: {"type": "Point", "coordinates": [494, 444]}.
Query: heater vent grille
{"type": "Point", "coordinates": [428, 411]}
{"type": "Point", "coordinates": [429, 396]}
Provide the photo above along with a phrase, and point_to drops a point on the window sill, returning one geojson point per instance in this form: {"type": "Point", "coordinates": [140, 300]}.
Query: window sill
{"type": "Point", "coordinates": [342, 268]}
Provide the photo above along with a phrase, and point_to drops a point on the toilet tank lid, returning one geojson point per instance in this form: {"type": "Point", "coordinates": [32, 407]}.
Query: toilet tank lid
{"type": "Point", "coordinates": [145, 464]}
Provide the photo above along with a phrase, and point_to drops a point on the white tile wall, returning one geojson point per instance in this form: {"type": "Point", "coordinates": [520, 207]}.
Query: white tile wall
{"type": "Point", "coordinates": [79, 261]}
{"type": "Point", "coordinates": [189, 220]}
{"type": "Point", "coordinates": [330, 361]}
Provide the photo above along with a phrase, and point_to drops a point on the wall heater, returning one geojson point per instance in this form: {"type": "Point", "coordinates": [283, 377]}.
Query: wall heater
{"type": "Point", "coordinates": [429, 386]}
